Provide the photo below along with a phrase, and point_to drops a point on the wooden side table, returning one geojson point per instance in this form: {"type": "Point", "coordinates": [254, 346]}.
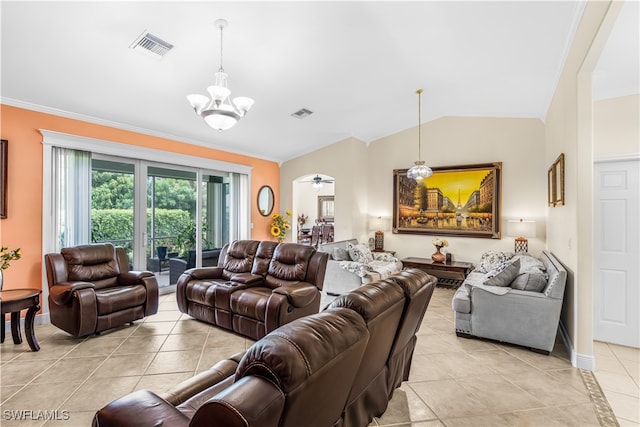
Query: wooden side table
{"type": "Point", "coordinates": [14, 300]}
{"type": "Point", "coordinates": [449, 275]}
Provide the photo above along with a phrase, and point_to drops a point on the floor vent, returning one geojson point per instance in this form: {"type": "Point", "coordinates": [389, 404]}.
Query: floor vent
{"type": "Point", "coordinates": [302, 113]}
{"type": "Point", "coordinates": [151, 45]}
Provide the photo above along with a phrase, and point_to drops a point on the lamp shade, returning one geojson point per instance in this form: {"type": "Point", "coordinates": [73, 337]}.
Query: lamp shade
{"type": "Point", "coordinates": [378, 223]}
{"type": "Point", "coordinates": [521, 228]}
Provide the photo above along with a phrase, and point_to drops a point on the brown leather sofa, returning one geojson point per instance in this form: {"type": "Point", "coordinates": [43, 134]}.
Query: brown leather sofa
{"type": "Point", "coordinates": [91, 289]}
{"type": "Point", "coordinates": [332, 368]}
{"type": "Point", "coordinates": [256, 287]}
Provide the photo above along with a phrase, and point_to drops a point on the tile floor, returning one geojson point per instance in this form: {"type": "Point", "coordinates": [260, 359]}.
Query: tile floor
{"type": "Point", "coordinates": [453, 382]}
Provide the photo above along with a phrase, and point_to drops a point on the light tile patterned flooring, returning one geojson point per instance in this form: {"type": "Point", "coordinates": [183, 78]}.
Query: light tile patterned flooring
{"type": "Point", "coordinates": [454, 381]}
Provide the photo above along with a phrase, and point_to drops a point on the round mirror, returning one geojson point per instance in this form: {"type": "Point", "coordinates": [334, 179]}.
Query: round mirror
{"type": "Point", "coordinates": [265, 200]}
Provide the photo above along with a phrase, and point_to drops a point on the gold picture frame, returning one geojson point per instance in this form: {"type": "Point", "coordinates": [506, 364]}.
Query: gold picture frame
{"type": "Point", "coordinates": [455, 201]}
{"type": "Point", "coordinates": [555, 182]}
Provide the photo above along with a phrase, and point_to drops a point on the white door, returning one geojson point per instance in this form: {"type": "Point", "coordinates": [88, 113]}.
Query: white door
{"type": "Point", "coordinates": [616, 255]}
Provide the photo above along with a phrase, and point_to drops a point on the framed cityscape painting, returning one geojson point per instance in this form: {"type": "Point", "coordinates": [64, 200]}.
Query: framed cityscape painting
{"type": "Point", "coordinates": [455, 201]}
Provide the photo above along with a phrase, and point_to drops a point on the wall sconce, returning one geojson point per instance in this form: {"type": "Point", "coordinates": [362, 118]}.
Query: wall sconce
{"type": "Point", "coordinates": [523, 229]}
{"type": "Point", "coordinates": [378, 225]}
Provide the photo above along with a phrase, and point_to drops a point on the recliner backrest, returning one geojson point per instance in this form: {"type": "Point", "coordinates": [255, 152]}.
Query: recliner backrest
{"type": "Point", "coordinates": [97, 264]}
{"type": "Point", "coordinates": [264, 253]}
{"type": "Point", "coordinates": [239, 257]}
{"type": "Point", "coordinates": [289, 264]}
{"type": "Point", "coordinates": [312, 364]}
{"type": "Point", "coordinates": [381, 305]}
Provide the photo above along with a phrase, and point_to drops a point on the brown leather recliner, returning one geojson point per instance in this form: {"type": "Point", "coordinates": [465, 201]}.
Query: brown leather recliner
{"type": "Point", "coordinates": [381, 305]}
{"type": "Point", "coordinates": [91, 289]}
{"type": "Point", "coordinates": [299, 375]}
{"type": "Point", "coordinates": [256, 288]}
{"type": "Point", "coordinates": [418, 288]}
{"type": "Point", "coordinates": [327, 369]}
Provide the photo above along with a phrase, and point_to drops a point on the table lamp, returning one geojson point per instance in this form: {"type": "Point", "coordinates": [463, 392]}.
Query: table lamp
{"type": "Point", "coordinates": [378, 226]}
{"type": "Point", "coordinates": [523, 229]}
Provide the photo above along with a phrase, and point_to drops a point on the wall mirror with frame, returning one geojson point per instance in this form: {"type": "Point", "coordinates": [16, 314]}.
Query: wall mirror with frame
{"type": "Point", "coordinates": [265, 200]}
{"type": "Point", "coordinates": [555, 182]}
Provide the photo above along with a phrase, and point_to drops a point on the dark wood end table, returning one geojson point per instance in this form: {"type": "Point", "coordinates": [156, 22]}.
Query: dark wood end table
{"type": "Point", "coordinates": [449, 274]}
{"type": "Point", "coordinates": [13, 301]}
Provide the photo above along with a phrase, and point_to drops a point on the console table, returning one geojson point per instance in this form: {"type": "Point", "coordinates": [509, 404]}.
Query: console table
{"type": "Point", "coordinates": [13, 301]}
{"type": "Point", "coordinates": [449, 274]}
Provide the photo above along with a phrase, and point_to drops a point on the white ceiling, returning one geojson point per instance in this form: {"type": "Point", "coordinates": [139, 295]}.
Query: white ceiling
{"type": "Point", "coordinates": [356, 65]}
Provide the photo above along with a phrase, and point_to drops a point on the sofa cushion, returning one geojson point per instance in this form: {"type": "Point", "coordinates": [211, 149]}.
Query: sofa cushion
{"type": "Point", "coordinates": [360, 253]}
{"type": "Point", "coordinates": [119, 298]}
{"type": "Point", "coordinates": [340, 254]}
{"type": "Point", "coordinates": [251, 302]}
{"type": "Point", "coordinates": [534, 282]}
{"type": "Point", "coordinates": [503, 274]}
{"type": "Point", "coordinates": [530, 264]}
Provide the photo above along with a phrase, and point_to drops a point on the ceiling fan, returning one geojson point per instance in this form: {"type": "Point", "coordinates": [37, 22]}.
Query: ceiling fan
{"type": "Point", "coordinates": [317, 181]}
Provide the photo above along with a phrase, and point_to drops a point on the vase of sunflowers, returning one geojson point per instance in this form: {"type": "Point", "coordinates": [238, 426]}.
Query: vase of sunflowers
{"type": "Point", "coordinates": [280, 225]}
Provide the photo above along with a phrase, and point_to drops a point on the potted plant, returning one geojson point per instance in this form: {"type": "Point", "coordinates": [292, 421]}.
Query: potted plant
{"type": "Point", "coordinates": [6, 256]}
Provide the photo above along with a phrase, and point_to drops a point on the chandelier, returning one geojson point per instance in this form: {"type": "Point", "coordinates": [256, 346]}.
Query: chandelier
{"type": "Point", "coordinates": [419, 170]}
{"type": "Point", "coordinates": [220, 112]}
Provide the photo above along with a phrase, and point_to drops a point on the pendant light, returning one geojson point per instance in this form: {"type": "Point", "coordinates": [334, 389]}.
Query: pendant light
{"type": "Point", "coordinates": [419, 170]}
{"type": "Point", "coordinates": [220, 112]}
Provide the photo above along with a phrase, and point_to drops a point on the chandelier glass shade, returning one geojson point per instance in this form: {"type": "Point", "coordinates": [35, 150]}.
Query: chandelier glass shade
{"type": "Point", "coordinates": [419, 170]}
{"type": "Point", "coordinates": [217, 109]}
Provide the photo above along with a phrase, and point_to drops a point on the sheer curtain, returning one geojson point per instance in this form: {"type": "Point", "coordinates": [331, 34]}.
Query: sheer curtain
{"type": "Point", "coordinates": [71, 197]}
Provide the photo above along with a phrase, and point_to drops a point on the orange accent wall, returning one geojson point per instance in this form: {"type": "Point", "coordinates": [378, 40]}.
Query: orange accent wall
{"type": "Point", "coordinates": [23, 225]}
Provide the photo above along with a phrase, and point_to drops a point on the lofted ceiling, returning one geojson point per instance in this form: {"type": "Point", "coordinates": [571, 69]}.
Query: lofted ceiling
{"type": "Point", "coordinates": [355, 65]}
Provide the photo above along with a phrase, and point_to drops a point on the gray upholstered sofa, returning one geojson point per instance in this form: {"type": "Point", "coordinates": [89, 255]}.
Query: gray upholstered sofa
{"type": "Point", "coordinates": [345, 274]}
{"type": "Point", "coordinates": [528, 318]}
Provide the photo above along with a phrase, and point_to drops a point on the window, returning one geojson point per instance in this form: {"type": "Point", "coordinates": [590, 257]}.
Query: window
{"type": "Point", "coordinates": [107, 193]}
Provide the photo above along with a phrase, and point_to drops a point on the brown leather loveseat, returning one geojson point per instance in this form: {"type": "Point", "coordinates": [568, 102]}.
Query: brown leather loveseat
{"type": "Point", "coordinates": [91, 289]}
{"type": "Point", "coordinates": [338, 367]}
{"type": "Point", "coordinates": [256, 287]}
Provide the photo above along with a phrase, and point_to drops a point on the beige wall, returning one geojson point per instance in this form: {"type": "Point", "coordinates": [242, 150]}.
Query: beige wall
{"type": "Point", "coordinates": [368, 175]}
{"type": "Point", "coordinates": [569, 130]}
{"type": "Point", "coordinates": [517, 143]}
{"type": "Point", "coordinates": [616, 127]}
{"type": "Point", "coordinates": [345, 161]}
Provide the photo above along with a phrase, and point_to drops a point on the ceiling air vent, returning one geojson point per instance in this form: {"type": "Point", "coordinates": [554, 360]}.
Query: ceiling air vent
{"type": "Point", "coordinates": [302, 113]}
{"type": "Point", "coordinates": [151, 45]}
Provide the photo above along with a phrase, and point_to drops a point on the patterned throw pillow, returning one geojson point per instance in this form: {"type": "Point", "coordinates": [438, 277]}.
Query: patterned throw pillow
{"type": "Point", "coordinates": [503, 274]}
{"type": "Point", "coordinates": [359, 253]}
{"type": "Point", "coordinates": [491, 259]}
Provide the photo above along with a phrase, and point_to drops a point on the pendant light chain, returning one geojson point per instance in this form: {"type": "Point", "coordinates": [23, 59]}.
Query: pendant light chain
{"type": "Point", "coordinates": [419, 92]}
{"type": "Point", "coordinates": [221, 44]}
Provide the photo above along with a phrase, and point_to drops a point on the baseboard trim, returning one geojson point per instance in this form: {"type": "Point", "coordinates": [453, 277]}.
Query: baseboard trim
{"type": "Point", "coordinates": [580, 361]}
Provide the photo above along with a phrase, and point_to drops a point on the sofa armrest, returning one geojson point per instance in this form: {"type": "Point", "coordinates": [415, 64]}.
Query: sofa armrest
{"type": "Point", "coordinates": [141, 408]}
{"type": "Point", "coordinates": [252, 400]}
{"type": "Point", "coordinates": [202, 381]}
{"type": "Point", "coordinates": [299, 294]}
{"type": "Point", "coordinates": [338, 281]}
{"type": "Point", "coordinates": [133, 277]}
{"type": "Point", "coordinates": [205, 273]}
{"type": "Point", "coordinates": [61, 293]}
{"type": "Point", "coordinates": [520, 317]}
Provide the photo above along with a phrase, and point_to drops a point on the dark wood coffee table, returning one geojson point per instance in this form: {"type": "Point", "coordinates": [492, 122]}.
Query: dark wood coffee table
{"type": "Point", "coordinates": [14, 300]}
{"type": "Point", "coordinates": [449, 274]}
